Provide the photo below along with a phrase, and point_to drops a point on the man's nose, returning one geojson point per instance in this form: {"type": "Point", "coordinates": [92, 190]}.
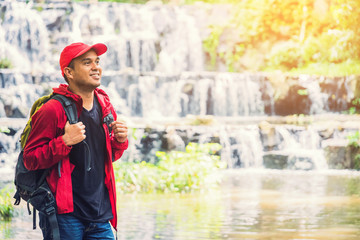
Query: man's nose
{"type": "Point", "coordinates": [95, 65]}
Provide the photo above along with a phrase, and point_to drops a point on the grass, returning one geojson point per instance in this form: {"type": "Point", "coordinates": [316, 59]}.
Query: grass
{"type": "Point", "coordinates": [175, 172]}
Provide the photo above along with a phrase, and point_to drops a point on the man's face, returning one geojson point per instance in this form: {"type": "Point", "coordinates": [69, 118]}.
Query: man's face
{"type": "Point", "coordinates": [86, 72]}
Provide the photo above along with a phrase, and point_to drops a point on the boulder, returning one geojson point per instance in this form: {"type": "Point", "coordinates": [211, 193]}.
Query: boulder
{"type": "Point", "coordinates": [340, 155]}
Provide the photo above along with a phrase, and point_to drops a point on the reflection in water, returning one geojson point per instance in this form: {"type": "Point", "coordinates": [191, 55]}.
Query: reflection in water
{"type": "Point", "coordinates": [251, 204]}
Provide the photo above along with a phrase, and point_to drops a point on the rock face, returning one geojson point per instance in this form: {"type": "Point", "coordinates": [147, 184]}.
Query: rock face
{"type": "Point", "coordinates": [152, 48]}
{"type": "Point", "coordinates": [256, 145]}
{"type": "Point", "coordinates": [275, 160]}
{"type": "Point", "coordinates": [154, 70]}
{"type": "Point", "coordinates": [340, 155]}
{"type": "Point", "coordinates": [159, 95]}
{"type": "Point", "coordinates": [293, 102]}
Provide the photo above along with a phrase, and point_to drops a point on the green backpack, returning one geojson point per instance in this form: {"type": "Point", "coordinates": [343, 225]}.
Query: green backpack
{"type": "Point", "coordinates": [31, 186]}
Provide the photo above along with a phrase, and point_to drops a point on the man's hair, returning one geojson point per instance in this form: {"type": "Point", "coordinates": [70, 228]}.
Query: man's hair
{"type": "Point", "coordinates": [71, 65]}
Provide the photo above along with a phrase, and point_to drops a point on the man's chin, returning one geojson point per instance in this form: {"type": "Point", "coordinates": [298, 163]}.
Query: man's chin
{"type": "Point", "coordinates": [96, 83]}
{"type": "Point", "coordinates": [92, 87]}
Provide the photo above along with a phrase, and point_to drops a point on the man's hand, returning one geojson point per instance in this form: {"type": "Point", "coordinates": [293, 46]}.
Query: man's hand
{"type": "Point", "coordinates": [74, 133]}
{"type": "Point", "coordinates": [120, 130]}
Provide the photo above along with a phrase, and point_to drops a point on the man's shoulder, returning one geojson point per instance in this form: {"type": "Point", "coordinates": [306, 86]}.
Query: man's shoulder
{"type": "Point", "coordinates": [52, 108]}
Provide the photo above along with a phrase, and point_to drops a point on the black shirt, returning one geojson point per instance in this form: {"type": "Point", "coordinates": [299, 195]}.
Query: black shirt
{"type": "Point", "coordinates": [91, 197]}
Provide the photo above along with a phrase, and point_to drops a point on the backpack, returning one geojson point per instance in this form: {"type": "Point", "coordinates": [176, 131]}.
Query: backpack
{"type": "Point", "coordinates": [31, 186]}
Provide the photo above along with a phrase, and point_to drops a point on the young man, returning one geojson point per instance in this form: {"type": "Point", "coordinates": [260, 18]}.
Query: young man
{"type": "Point", "coordinates": [85, 188]}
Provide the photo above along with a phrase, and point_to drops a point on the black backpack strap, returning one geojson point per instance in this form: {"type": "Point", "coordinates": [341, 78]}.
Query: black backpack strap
{"type": "Point", "coordinates": [69, 107]}
{"type": "Point", "coordinates": [17, 198]}
{"type": "Point", "coordinates": [51, 216]}
{"type": "Point", "coordinates": [43, 176]}
{"type": "Point", "coordinates": [71, 114]}
{"type": "Point", "coordinates": [108, 119]}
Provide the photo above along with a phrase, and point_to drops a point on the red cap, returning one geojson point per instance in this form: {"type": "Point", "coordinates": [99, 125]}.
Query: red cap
{"type": "Point", "coordinates": [77, 49]}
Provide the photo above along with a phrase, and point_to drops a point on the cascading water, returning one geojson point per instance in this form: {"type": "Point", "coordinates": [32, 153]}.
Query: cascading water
{"type": "Point", "coordinates": [26, 37]}
{"type": "Point", "coordinates": [154, 69]}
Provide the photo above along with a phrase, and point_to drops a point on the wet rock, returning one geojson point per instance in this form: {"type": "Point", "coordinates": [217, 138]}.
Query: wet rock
{"type": "Point", "coordinates": [337, 93]}
{"type": "Point", "coordinates": [10, 78]}
{"type": "Point", "coordinates": [296, 162]}
{"type": "Point", "coordinates": [270, 139]}
{"type": "Point", "coordinates": [294, 159]}
{"type": "Point", "coordinates": [275, 160]}
{"type": "Point", "coordinates": [295, 102]}
{"type": "Point", "coordinates": [340, 155]}
{"type": "Point", "coordinates": [148, 145]}
{"type": "Point", "coordinates": [326, 133]}
{"type": "Point", "coordinates": [172, 141]}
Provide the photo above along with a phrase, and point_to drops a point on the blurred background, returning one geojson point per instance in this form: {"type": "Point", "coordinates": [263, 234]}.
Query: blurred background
{"type": "Point", "coordinates": [243, 115]}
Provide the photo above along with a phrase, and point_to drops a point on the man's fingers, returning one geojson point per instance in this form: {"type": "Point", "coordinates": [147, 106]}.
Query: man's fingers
{"type": "Point", "coordinates": [118, 125]}
{"type": "Point", "coordinates": [81, 125]}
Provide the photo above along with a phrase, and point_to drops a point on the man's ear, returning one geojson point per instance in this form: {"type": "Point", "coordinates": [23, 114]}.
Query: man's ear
{"type": "Point", "coordinates": [68, 72]}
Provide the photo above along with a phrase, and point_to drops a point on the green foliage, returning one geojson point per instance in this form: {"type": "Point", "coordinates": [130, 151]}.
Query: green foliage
{"type": "Point", "coordinates": [354, 144]}
{"type": "Point", "coordinates": [5, 63]}
{"type": "Point", "coordinates": [306, 37]}
{"type": "Point", "coordinates": [354, 139]}
{"type": "Point", "coordinates": [6, 207]}
{"type": "Point", "coordinates": [346, 68]}
{"type": "Point", "coordinates": [210, 44]}
{"type": "Point", "coordinates": [285, 56]}
{"type": "Point", "coordinates": [356, 102]}
{"type": "Point", "coordinates": [357, 163]}
{"type": "Point", "coordinates": [333, 46]}
{"type": "Point", "coordinates": [297, 34]}
{"type": "Point", "coordinates": [355, 106]}
{"type": "Point", "coordinates": [178, 172]}
{"type": "Point", "coordinates": [303, 92]}
{"type": "Point", "coordinates": [126, 1]}
{"type": "Point", "coordinates": [4, 129]}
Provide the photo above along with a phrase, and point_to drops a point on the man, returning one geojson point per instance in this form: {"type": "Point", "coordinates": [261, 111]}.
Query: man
{"type": "Point", "coordinates": [84, 188]}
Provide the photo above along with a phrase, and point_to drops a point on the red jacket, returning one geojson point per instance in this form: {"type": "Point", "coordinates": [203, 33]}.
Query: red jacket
{"type": "Point", "coordinates": [45, 148]}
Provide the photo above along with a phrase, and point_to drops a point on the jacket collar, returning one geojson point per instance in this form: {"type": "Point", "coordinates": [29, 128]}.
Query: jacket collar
{"type": "Point", "coordinates": [102, 97]}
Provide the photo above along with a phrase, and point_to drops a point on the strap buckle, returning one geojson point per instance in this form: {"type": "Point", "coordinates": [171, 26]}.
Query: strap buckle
{"type": "Point", "coordinates": [50, 210]}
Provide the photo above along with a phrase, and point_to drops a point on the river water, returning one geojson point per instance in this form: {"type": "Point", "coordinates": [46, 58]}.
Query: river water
{"type": "Point", "coordinates": [250, 204]}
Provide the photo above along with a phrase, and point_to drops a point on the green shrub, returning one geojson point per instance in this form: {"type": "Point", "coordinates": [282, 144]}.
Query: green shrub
{"type": "Point", "coordinates": [5, 63]}
{"type": "Point", "coordinates": [346, 68]}
{"type": "Point", "coordinates": [291, 34]}
{"type": "Point", "coordinates": [211, 43]}
{"type": "Point", "coordinates": [176, 172]}
{"type": "Point", "coordinates": [285, 56]}
{"type": "Point", "coordinates": [333, 46]}
{"type": "Point", "coordinates": [312, 50]}
{"type": "Point", "coordinates": [6, 206]}
{"type": "Point", "coordinates": [354, 139]}
{"type": "Point", "coordinates": [354, 146]}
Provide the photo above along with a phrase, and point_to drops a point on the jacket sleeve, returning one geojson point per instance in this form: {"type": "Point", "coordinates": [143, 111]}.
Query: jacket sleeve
{"type": "Point", "coordinates": [117, 148]}
{"type": "Point", "coordinates": [45, 146]}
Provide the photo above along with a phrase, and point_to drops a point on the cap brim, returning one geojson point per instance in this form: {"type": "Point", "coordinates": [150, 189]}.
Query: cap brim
{"type": "Point", "coordinates": [99, 48]}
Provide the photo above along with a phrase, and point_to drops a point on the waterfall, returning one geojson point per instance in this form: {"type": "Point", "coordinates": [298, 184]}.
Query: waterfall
{"type": "Point", "coordinates": [302, 145]}
{"type": "Point", "coordinates": [25, 34]}
{"type": "Point", "coordinates": [161, 44]}
{"type": "Point", "coordinates": [155, 69]}
{"type": "Point", "coordinates": [177, 96]}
